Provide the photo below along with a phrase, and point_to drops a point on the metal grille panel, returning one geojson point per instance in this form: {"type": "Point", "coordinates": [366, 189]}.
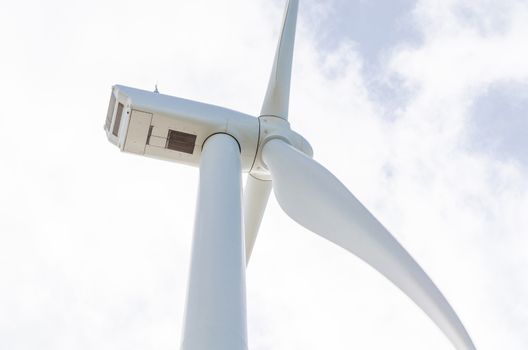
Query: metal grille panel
{"type": "Point", "coordinates": [117, 121]}
{"type": "Point", "coordinates": [181, 142]}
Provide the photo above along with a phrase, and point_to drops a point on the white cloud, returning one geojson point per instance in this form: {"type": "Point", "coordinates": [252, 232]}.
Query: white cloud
{"type": "Point", "coordinates": [94, 245]}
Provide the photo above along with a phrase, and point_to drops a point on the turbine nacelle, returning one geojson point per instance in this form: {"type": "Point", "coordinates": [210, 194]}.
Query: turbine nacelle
{"type": "Point", "coordinates": [174, 129]}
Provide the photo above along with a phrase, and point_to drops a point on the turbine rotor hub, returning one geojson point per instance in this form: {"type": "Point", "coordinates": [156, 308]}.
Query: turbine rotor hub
{"type": "Point", "coordinates": [272, 127]}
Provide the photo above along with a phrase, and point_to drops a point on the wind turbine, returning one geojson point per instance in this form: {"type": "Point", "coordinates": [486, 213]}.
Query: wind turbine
{"type": "Point", "coordinates": [223, 143]}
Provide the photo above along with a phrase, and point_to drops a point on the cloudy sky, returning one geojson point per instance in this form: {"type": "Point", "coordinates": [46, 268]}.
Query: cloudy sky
{"type": "Point", "coordinates": [419, 107]}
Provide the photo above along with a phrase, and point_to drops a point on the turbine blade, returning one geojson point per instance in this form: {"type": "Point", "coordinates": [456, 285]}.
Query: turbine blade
{"type": "Point", "coordinates": [256, 196]}
{"type": "Point", "coordinates": [278, 93]}
{"type": "Point", "coordinates": [317, 200]}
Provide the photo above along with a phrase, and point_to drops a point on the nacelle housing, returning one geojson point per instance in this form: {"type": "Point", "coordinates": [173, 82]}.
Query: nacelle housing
{"type": "Point", "coordinates": [175, 129]}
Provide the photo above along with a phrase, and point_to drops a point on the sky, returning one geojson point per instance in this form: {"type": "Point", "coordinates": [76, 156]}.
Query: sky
{"type": "Point", "coordinates": [419, 107]}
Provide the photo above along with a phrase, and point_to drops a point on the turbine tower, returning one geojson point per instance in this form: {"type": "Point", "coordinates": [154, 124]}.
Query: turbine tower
{"type": "Point", "coordinates": [224, 143]}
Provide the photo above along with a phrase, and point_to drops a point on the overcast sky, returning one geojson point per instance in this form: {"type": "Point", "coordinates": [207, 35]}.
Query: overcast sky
{"type": "Point", "coordinates": [419, 107]}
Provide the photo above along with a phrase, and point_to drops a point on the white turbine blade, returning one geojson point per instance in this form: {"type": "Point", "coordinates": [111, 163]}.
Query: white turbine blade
{"type": "Point", "coordinates": [317, 200]}
{"type": "Point", "coordinates": [256, 196]}
{"type": "Point", "coordinates": [278, 93]}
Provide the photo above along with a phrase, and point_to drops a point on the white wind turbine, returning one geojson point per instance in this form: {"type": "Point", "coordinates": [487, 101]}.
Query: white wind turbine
{"type": "Point", "coordinates": [223, 143]}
